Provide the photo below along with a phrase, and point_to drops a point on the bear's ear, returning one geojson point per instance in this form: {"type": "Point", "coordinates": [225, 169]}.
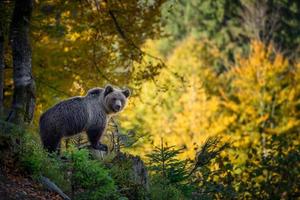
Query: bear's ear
{"type": "Point", "coordinates": [126, 92]}
{"type": "Point", "coordinates": [108, 89]}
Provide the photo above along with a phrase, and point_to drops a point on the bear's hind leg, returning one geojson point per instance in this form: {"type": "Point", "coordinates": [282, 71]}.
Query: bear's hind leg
{"type": "Point", "coordinates": [52, 143]}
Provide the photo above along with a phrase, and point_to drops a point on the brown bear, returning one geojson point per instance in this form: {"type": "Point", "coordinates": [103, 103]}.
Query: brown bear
{"type": "Point", "coordinates": [89, 113]}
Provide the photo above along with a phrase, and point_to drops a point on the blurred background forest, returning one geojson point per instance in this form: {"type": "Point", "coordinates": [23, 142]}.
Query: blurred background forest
{"type": "Point", "coordinates": [215, 109]}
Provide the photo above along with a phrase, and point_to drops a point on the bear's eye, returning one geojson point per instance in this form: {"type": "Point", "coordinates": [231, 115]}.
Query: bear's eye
{"type": "Point", "coordinates": [114, 99]}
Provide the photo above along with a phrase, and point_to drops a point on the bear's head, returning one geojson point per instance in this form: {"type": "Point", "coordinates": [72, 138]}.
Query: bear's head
{"type": "Point", "coordinates": [114, 99]}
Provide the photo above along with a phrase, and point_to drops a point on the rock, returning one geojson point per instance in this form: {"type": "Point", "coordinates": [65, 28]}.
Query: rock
{"type": "Point", "coordinates": [140, 174]}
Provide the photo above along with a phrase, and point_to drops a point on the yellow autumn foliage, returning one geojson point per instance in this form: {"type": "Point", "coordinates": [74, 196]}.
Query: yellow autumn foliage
{"type": "Point", "coordinates": [175, 106]}
{"type": "Point", "coordinates": [264, 93]}
{"type": "Point", "coordinates": [255, 99]}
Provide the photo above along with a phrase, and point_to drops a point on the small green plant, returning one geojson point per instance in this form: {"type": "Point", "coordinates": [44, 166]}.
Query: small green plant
{"type": "Point", "coordinates": [89, 179]}
{"type": "Point", "coordinates": [36, 161]}
{"type": "Point", "coordinates": [163, 190]}
{"type": "Point", "coordinates": [22, 147]}
{"type": "Point", "coordinates": [183, 179]}
{"type": "Point", "coordinates": [169, 175]}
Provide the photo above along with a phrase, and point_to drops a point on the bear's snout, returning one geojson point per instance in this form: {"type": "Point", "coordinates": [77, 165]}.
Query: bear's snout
{"type": "Point", "coordinates": [117, 106]}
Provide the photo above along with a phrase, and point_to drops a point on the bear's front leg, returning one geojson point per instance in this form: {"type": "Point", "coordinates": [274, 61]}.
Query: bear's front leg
{"type": "Point", "coordinates": [102, 147]}
{"type": "Point", "coordinates": [94, 135]}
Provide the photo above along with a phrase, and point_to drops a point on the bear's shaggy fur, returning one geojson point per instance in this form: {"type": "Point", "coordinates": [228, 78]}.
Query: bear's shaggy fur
{"type": "Point", "coordinates": [89, 113]}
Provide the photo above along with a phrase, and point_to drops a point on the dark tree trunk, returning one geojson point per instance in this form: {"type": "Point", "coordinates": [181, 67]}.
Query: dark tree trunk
{"type": "Point", "coordinates": [24, 87]}
{"type": "Point", "coordinates": [3, 22]}
{"type": "Point", "coordinates": [1, 68]}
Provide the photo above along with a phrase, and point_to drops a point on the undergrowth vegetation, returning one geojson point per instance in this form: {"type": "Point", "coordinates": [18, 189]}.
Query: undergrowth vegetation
{"type": "Point", "coordinates": [77, 174]}
{"type": "Point", "coordinates": [212, 174]}
{"type": "Point", "coordinates": [80, 175]}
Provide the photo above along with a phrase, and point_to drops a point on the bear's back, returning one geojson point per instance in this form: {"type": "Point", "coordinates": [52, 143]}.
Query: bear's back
{"type": "Point", "coordinates": [68, 117]}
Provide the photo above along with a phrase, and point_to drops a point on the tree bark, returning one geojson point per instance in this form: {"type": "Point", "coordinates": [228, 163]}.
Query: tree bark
{"type": "Point", "coordinates": [24, 86]}
{"type": "Point", "coordinates": [1, 69]}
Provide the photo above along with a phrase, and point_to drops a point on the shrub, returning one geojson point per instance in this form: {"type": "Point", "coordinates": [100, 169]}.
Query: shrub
{"type": "Point", "coordinates": [170, 175]}
{"type": "Point", "coordinates": [162, 190]}
{"type": "Point", "coordinates": [27, 153]}
{"type": "Point", "coordinates": [89, 179]}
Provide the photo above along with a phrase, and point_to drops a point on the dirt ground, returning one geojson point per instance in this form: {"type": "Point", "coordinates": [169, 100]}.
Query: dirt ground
{"type": "Point", "coordinates": [14, 186]}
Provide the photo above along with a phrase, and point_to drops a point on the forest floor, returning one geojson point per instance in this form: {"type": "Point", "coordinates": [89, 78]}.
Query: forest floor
{"type": "Point", "coordinates": [15, 186]}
